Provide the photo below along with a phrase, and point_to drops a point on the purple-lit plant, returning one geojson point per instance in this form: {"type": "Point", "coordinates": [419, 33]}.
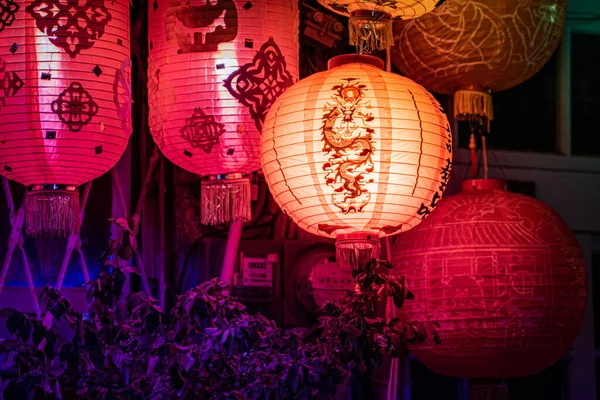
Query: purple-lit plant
{"type": "Point", "coordinates": [207, 347]}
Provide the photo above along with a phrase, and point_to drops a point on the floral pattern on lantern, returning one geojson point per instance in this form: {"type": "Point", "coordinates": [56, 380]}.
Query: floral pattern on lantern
{"type": "Point", "coordinates": [72, 25]}
{"type": "Point", "coordinates": [75, 107]}
{"type": "Point", "coordinates": [469, 48]}
{"type": "Point", "coordinates": [257, 84]}
{"type": "Point", "coordinates": [356, 153]}
{"type": "Point", "coordinates": [215, 69]}
{"type": "Point", "coordinates": [11, 83]}
{"type": "Point", "coordinates": [503, 277]}
{"type": "Point", "coordinates": [65, 106]}
{"type": "Point", "coordinates": [8, 9]}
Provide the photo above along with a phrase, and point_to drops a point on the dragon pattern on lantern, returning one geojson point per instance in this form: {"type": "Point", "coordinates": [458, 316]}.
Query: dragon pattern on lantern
{"type": "Point", "coordinates": [349, 143]}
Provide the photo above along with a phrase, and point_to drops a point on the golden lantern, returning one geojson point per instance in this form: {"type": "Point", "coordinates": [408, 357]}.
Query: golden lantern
{"type": "Point", "coordinates": [470, 48]}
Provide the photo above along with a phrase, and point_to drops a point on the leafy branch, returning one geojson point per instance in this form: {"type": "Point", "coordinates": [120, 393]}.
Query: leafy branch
{"type": "Point", "coordinates": [207, 346]}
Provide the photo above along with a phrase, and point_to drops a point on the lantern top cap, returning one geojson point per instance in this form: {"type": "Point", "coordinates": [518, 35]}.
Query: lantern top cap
{"type": "Point", "coordinates": [344, 59]}
{"type": "Point", "coordinates": [470, 185]}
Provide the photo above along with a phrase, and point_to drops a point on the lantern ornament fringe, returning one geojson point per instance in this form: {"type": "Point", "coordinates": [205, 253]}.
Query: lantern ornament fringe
{"type": "Point", "coordinates": [487, 390]}
{"type": "Point", "coordinates": [370, 30]}
{"type": "Point", "coordinates": [51, 211]}
{"type": "Point", "coordinates": [225, 198]}
{"type": "Point", "coordinates": [474, 105]}
{"type": "Point", "coordinates": [356, 248]}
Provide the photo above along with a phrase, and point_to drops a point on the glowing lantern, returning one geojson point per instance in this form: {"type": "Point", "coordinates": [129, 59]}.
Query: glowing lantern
{"type": "Point", "coordinates": [501, 274]}
{"type": "Point", "coordinates": [371, 20]}
{"type": "Point", "coordinates": [471, 47]}
{"type": "Point", "coordinates": [356, 153]}
{"type": "Point", "coordinates": [65, 103]}
{"type": "Point", "coordinates": [215, 69]}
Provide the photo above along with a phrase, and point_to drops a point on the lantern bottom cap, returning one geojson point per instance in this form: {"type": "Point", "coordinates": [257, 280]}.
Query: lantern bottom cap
{"type": "Point", "coordinates": [52, 210]}
{"type": "Point", "coordinates": [475, 106]}
{"type": "Point", "coordinates": [469, 185]}
{"type": "Point", "coordinates": [225, 200]}
{"type": "Point", "coordinates": [488, 389]}
{"type": "Point", "coordinates": [370, 30]}
{"type": "Point", "coordinates": [356, 248]}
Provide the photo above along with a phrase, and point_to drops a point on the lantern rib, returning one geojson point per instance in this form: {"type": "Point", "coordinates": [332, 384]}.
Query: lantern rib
{"type": "Point", "coordinates": [421, 144]}
{"type": "Point", "coordinates": [277, 155]}
{"type": "Point", "coordinates": [300, 220]}
{"type": "Point", "coordinates": [306, 164]}
{"type": "Point", "coordinates": [389, 184]}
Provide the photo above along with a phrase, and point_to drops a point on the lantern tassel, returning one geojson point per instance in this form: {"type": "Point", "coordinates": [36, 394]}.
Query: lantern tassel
{"type": "Point", "coordinates": [52, 213]}
{"type": "Point", "coordinates": [488, 390]}
{"type": "Point", "coordinates": [474, 106]}
{"type": "Point", "coordinates": [225, 201]}
{"type": "Point", "coordinates": [355, 249]}
{"type": "Point", "coordinates": [370, 30]}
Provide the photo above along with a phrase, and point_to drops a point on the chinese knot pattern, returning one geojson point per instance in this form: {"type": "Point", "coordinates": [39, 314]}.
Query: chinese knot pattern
{"type": "Point", "coordinates": [349, 144]}
{"type": "Point", "coordinates": [202, 131]}
{"type": "Point", "coordinates": [10, 83]}
{"type": "Point", "coordinates": [71, 25]}
{"type": "Point", "coordinates": [258, 84]}
{"type": "Point", "coordinates": [75, 107]}
{"type": "Point", "coordinates": [8, 9]}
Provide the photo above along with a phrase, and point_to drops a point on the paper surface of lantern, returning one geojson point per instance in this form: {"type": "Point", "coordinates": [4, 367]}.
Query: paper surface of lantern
{"type": "Point", "coordinates": [214, 70]}
{"type": "Point", "coordinates": [503, 276]}
{"type": "Point", "coordinates": [469, 48]}
{"type": "Point", "coordinates": [370, 22]}
{"type": "Point", "coordinates": [65, 103]}
{"type": "Point", "coordinates": [355, 153]}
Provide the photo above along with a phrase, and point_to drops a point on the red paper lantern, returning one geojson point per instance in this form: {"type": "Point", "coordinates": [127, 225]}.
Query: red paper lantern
{"type": "Point", "coordinates": [65, 103]}
{"type": "Point", "coordinates": [355, 153]}
{"type": "Point", "coordinates": [215, 69]}
{"type": "Point", "coordinates": [501, 274]}
{"type": "Point", "coordinates": [471, 47]}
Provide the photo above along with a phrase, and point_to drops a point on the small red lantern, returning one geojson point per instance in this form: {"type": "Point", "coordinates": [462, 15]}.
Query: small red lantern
{"type": "Point", "coordinates": [501, 274]}
{"type": "Point", "coordinates": [215, 69]}
{"type": "Point", "coordinates": [65, 101]}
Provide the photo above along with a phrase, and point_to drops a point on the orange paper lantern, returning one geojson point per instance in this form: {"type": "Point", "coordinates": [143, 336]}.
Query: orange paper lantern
{"type": "Point", "coordinates": [65, 103]}
{"type": "Point", "coordinates": [356, 153]}
{"type": "Point", "coordinates": [501, 274]}
{"type": "Point", "coordinates": [371, 20]}
{"type": "Point", "coordinates": [215, 68]}
{"type": "Point", "coordinates": [469, 48]}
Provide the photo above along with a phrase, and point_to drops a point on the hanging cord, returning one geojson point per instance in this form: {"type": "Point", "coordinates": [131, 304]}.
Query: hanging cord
{"type": "Point", "coordinates": [392, 388]}
{"type": "Point", "coordinates": [388, 59]}
{"type": "Point", "coordinates": [484, 155]}
{"type": "Point", "coordinates": [498, 165]}
{"type": "Point", "coordinates": [473, 150]}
